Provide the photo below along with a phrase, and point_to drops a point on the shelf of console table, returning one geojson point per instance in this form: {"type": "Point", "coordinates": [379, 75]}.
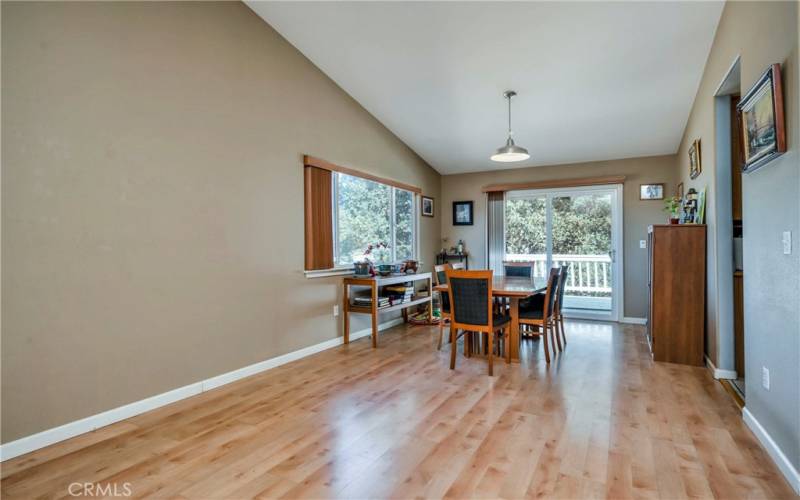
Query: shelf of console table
{"type": "Point", "coordinates": [374, 285]}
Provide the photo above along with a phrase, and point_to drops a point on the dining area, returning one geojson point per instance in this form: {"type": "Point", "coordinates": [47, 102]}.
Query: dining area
{"type": "Point", "coordinates": [492, 313]}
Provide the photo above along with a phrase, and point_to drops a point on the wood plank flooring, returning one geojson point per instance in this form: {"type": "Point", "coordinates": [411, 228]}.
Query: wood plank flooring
{"type": "Point", "coordinates": [602, 421]}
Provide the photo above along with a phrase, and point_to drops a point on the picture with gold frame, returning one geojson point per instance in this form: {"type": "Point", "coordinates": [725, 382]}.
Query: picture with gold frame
{"type": "Point", "coordinates": [695, 159]}
{"type": "Point", "coordinates": [762, 120]}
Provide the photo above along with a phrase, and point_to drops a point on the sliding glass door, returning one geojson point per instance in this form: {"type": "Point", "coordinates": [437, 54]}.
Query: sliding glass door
{"type": "Point", "coordinates": [579, 228]}
{"type": "Point", "coordinates": [526, 231]}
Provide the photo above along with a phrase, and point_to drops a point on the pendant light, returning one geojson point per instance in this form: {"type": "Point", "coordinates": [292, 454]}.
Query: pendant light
{"type": "Point", "coordinates": [510, 152]}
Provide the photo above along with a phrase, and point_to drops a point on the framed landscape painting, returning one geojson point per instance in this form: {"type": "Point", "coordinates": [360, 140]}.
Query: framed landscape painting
{"type": "Point", "coordinates": [651, 192]}
{"type": "Point", "coordinates": [762, 120]}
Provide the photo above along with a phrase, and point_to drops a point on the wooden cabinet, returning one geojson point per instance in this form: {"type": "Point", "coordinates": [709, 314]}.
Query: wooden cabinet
{"type": "Point", "coordinates": [677, 282]}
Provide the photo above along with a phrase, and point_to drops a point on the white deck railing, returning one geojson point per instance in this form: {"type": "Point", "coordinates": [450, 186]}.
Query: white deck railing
{"type": "Point", "coordinates": [587, 273]}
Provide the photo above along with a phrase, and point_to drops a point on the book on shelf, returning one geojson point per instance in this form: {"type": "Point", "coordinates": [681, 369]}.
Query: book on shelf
{"type": "Point", "coordinates": [400, 293]}
{"type": "Point", "coordinates": [366, 301]}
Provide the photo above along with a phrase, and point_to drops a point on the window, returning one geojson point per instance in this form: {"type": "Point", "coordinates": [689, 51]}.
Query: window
{"type": "Point", "coordinates": [367, 211]}
{"type": "Point", "coordinates": [346, 210]}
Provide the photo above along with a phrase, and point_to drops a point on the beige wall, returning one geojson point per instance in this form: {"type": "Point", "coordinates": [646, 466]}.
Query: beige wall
{"type": "Point", "coordinates": [637, 214]}
{"type": "Point", "coordinates": [761, 33]}
{"type": "Point", "coordinates": [152, 200]}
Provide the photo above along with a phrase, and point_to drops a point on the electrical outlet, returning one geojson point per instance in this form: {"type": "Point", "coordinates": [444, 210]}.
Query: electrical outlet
{"type": "Point", "coordinates": [335, 309]}
{"type": "Point", "coordinates": [642, 243]}
{"type": "Point", "coordinates": [787, 242]}
{"type": "Point", "coordinates": [765, 377]}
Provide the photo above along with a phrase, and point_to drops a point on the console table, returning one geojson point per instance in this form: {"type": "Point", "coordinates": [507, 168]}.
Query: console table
{"type": "Point", "coordinates": [444, 258]}
{"type": "Point", "coordinates": [374, 285]}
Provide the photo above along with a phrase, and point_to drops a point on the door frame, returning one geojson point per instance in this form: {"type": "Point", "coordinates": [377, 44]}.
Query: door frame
{"type": "Point", "coordinates": [617, 242]}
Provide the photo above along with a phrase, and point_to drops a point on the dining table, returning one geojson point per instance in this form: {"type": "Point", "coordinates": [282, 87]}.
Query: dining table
{"type": "Point", "coordinates": [515, 289]}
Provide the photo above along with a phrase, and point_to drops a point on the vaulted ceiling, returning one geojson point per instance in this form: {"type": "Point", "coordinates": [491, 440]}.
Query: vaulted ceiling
{"type": "Point", "coordinates": [596, 80]}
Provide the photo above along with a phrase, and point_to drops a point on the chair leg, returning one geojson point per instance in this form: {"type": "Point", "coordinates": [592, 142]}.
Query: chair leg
{"type": "Point", "coordinates": [441, 332]}
{"type": "Point", "coordinates": [563, 335]}
{"type": "Point", "coordinates": [555, 332]}
{"type": "Point", "coordinates": [544, 337]}
{"type": "Point", "coordinates": [453, 346]}
{"type": "Point", "coordinates": [490, 354]}
{"type": "Point", "coordinates": [554, 338]}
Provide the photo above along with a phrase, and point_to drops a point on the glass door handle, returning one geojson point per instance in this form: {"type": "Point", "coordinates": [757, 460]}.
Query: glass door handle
{"type": "Point", "coordinates": [613, 255]}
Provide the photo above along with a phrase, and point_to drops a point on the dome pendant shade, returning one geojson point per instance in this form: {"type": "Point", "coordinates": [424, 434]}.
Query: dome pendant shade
{"type": "Point", "coordinates": [510, 152]}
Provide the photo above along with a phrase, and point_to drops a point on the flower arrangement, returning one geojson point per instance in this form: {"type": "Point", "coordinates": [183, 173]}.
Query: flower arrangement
{"type": "Point", "coordinates": [378, 253]}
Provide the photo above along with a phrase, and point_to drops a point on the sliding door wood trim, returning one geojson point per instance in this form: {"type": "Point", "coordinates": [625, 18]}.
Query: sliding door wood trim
{"type": "Point", "coordinates": [311, 161]}
{"type": "Point", "coordinates": [557, 183]}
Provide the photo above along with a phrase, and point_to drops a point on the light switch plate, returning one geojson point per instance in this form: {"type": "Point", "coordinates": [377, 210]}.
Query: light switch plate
{"type": "Point", "coordinates": [765, 377]}
{"type": "Point", "coordinates": [335, 309]}
{"type": "Point", "coordinates": [642, 243]}
{"type": "Point", "coordinates": [787, 242]}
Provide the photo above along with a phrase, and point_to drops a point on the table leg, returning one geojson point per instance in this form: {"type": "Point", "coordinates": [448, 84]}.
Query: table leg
{"type": "Point", "coordinates": [374, 315]}
{"type": "Point", "coordinates": [346, 313]}
{"type": "Point", "coordinates": [514, 348]}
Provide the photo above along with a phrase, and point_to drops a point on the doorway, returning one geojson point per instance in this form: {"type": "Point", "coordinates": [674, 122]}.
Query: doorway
{"type": "Point", "coordinates": [577, 227]}
{"type": "Point", "coordinates": [729, 270]}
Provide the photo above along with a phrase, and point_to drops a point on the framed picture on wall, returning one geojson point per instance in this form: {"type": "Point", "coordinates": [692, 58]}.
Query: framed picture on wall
{"type": "Point", "coordinates": [679, 190]}
{"type": "Point", "coordinates": [462, 213]}
{"type": "Point", "coordinates": [651, 191]}
{"type": "Point", "coordinates": [695, 160]}
{"type": "Point", "coordinates": [762, 120]}
{"type": "Point", "coordinates": [427, 206]}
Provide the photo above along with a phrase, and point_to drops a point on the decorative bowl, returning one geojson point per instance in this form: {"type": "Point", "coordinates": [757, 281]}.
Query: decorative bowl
{"type": "Point", "coordinates": [385, 269]}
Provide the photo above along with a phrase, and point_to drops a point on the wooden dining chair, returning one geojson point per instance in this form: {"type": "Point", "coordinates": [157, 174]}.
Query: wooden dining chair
{"type": "Point", "coordinates": [471, 311]}
{"type": "Point", "coordinates": [540, 313]}
{"type": "Point", "coordinates": [440, 278]}
{"type": "Point", "coordinates": [559, 317]}
{"type": "Point", "coordinates": [519, 269]}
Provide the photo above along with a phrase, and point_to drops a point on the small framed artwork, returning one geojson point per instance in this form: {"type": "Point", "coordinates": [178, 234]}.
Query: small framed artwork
{"type": "Point", "coordinates": [695, 159]}
{"type": "Point", "coordinates": [762, 120]}
{"type": "Point", "coordinates": [679, 191]}
{"type": "Point", "coordinates": [462, 213]}
{"type": "Point", "coordinates": [427, 206]}
{"type": "Point", "coordinates": [651, 192]}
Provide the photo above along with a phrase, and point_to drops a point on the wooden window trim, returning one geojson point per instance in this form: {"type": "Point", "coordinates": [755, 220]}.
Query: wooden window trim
{"type": "Point", "coordinates": [557, 183]}
{"type": "Point", "coordinates": [312, 161]}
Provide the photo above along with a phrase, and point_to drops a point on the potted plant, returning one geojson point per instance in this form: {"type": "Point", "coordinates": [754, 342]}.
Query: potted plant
{"type": "Point", "coordinates": [672, 206]}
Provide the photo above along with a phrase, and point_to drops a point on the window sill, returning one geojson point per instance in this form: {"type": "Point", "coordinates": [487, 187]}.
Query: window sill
{"type": "Point", "coordinates": [340, 271]}
{"type": "Point", "coordinates": [325, 273]}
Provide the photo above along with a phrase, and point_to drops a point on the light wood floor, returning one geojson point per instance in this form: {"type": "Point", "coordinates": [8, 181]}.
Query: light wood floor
{"type": "Point", "coordinates": [602, 421]}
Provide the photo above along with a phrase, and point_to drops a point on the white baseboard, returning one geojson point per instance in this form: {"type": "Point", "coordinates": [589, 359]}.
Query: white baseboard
{"type": "Point", "coordinates": [88, 424]}
{"type": "Point", "coordinates": [633, 321]}
{"type": "Point", "coordinates": [720, 373]}
{"type": "Point", "coordinates": [789, 472]}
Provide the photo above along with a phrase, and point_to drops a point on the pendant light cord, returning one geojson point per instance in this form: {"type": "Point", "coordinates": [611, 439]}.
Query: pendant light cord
{"type": "Point", "coordinates": [509, 116]}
